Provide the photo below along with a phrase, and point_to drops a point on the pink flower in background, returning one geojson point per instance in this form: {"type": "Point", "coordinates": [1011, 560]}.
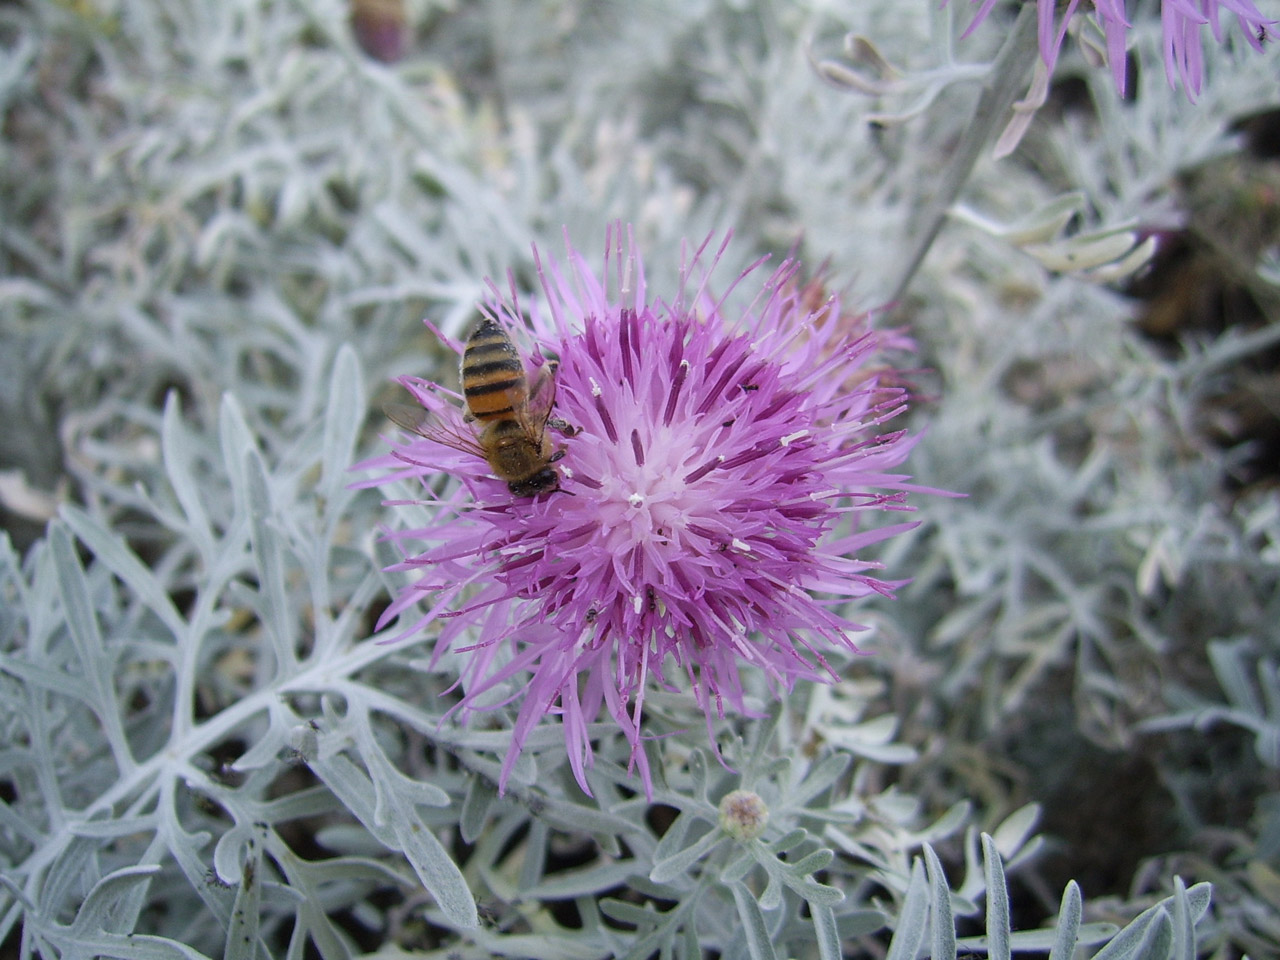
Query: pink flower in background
{"type": "Point", "coordinates": [1182, 20]}
{"type": "Point", "coordinates": [707, 511]}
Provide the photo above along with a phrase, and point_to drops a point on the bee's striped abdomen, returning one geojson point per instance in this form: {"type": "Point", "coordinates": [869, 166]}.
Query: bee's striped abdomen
{"type": "Point", "coordinates": [493, 378]}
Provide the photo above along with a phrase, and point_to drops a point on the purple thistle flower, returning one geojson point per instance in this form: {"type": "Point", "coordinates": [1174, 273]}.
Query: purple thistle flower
{"type": "Point", "coordinates": [706, 516]}
{"type": "Point", "coordinates": [1181, 20]}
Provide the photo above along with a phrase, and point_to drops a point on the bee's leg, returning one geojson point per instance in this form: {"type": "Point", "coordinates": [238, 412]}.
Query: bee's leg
{"type": "Point", "coordinates": [558, 455]}
{"type": "Point", "coordinates": [564, 426]}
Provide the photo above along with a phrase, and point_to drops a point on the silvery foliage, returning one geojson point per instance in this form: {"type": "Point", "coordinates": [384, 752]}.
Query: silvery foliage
{"type": "Point", "coordinates": [221, 226]}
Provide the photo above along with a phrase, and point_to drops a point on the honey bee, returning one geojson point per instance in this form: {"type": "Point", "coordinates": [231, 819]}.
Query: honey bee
{"type": "Point", "coordinates": [512, 414]}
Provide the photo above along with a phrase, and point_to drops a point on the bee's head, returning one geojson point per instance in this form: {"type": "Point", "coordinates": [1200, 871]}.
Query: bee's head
{"type": "Point", "coordinates": [545, 480]}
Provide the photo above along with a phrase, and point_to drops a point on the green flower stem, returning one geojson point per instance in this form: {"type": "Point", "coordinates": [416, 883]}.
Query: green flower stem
{"type": "Point", "coordinates": [1006, 80]}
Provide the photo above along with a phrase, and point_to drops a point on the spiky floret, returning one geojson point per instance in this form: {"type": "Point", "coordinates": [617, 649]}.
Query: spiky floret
{"type": "Point", "coordinates": [706, 516]}
{"type": "Point", "coordinates": [1182, 23]}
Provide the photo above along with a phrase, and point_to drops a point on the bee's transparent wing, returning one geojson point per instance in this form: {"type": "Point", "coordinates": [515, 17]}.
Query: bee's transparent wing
{"type": "Point", "coordinates": [428, 425]}
{"type": "Point", "coordinates": [542, 396]}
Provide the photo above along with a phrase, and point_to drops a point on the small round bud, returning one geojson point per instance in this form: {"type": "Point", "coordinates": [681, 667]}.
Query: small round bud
{"type": "Point", "coordinates": [743, 815]}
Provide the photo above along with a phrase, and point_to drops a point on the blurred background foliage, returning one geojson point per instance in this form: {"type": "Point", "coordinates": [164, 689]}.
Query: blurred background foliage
{"type": "Point", "coordinates": [201, 201]}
